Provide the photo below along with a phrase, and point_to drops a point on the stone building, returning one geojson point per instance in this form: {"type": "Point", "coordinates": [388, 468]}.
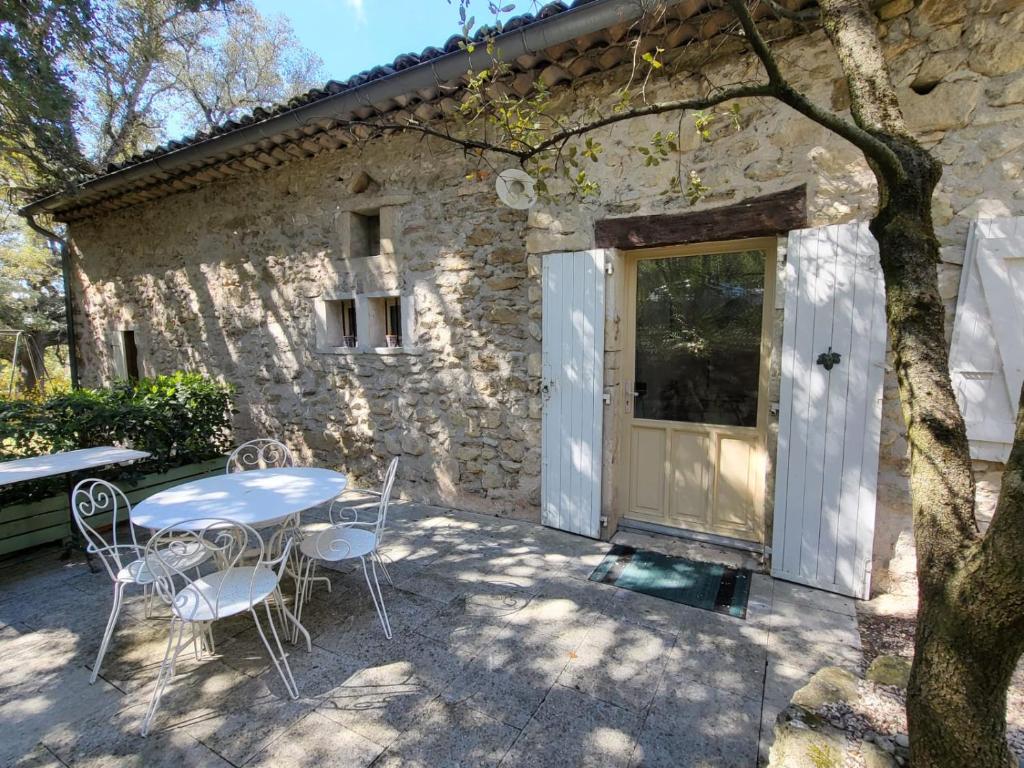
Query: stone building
{"type": "Point", "coordinates": [373, 297]}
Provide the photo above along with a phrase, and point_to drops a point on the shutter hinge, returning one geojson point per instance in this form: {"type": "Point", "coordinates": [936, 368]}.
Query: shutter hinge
{"type": "Point", "coordinates": [609, 267]}
{"type": "Point", "coordinates": [604, 521]}
{"type": "Point", "coordinates": [607, 398]}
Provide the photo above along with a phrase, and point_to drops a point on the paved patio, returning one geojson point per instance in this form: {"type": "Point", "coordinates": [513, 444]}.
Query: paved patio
{"type": "Point", "coordinates": [504, 654]}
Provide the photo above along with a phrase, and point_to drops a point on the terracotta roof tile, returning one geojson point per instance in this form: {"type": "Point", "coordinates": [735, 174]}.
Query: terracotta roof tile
{"type": "Point", "coordinates": [332, 87]}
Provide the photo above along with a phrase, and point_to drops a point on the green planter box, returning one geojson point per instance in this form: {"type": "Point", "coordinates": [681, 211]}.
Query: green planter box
{"type": "Point", "coordinates": [47, 520]}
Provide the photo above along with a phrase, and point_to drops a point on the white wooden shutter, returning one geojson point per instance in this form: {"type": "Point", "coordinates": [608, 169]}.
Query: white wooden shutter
{"type": "Point", "coordinates": [829, 420]}
{"type": "Point", "coordinates": [572, 391]}
{"type": "Point", "coordinates": [986, 358]}
{"type": "Point", "coordinates": [119, 363]}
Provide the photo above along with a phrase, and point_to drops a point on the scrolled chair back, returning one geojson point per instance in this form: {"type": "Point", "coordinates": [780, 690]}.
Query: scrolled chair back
{"type": "Point", "coordinates": [91, 500]}
{"type": "Point", "coordinates": [237, 550]}
{"type": "Point", "coordinates": [262, 453]}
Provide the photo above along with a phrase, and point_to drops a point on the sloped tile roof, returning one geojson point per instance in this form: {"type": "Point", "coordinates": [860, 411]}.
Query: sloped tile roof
{"type": "Point", "coordinates": [268, 137]}
{"type": "Point", "coordinates": [332, 87]}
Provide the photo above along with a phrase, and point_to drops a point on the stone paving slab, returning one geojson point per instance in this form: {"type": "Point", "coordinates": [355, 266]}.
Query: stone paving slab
{"type": "Point", "coordinates": [317, 740]}
{"type": "Point", "coordinates": [504, 653]}
{"type": "Point", "coordinates": [449, 734]}
{"type": "Point", "coordinates": [704, 724]}
{"type": "Point", "coordinates": [619, 663]}
{"type": "Point", "coordinates": [571, 728]}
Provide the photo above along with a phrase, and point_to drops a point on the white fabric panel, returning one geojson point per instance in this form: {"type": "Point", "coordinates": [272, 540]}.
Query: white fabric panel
{"type": "Point", "coordinates": [986, 358]}
{"type": "Point", "coordinates": [573, 373]}
{"type": "Point", "coordinates": [829, 420]}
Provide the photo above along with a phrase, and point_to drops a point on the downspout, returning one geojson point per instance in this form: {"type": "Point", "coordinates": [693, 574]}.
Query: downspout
{"type": "Point", "coordinates": [52, 239]}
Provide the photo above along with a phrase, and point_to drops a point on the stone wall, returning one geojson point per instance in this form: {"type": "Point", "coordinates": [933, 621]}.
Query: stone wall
{"type": "Point", "coordinates": [225, 278]}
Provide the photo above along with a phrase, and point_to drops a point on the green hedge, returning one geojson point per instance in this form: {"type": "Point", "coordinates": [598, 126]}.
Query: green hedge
{"type": "Point", "coordinates": [180, 419]}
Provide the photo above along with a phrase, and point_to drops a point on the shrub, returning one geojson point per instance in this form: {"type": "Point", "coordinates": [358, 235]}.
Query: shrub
{"type": "Point", "coordinates": [179, 419]}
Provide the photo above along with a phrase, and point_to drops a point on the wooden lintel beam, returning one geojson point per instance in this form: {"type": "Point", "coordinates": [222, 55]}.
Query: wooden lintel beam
{"type": "Point", "coordinates": [754, 217]}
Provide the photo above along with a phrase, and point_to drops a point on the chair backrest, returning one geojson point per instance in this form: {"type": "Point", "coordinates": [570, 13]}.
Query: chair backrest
{"type": "Point", "coordinates": [92, 500]}
{"type": "Point", "coordinates": [385, 498]}
{"type": "Point", "coordinates": [170, 556]}
{"type": "Point", "coordinates": [262, 453]}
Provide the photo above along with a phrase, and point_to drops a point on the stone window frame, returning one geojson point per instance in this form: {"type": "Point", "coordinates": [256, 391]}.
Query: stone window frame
{"type": "Point", "coordinates": [369, 323]}
{"type": "Point", "coordinates": [355, 254]}
{"type": "Point", "coordinates": [352, 231]}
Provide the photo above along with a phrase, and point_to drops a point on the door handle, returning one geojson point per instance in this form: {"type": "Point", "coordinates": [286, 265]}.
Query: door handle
{"type": "Point", "coordinates": [829, 359]}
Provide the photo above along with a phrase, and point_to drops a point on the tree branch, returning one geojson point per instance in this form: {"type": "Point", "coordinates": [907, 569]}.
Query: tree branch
{"type": "Point", "coordinates": [782, 12]}
{"type": "Point", "coordinates": [852, 29]}
{"type": "Point", "coordinates": [469, 144]}
{"type": "Point", "coordinates": [658, 108]}
{"type": "Point", "coordinates": [1004, 532]}
{"type": "Point", "coordinates": [872, 147]}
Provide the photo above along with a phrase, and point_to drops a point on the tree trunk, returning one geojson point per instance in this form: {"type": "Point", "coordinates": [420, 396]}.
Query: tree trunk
{"type": "Point", "coordinates": [956, 704]}
{"type": "Point", "coordinates": [969, 634]}
{"type": "Point", "coordinates": [31, 365]}
{"type": "Point", "coordinates": [966, 645]}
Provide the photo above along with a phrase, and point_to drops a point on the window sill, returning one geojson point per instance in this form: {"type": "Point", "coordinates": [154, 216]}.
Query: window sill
{"type": "Point", "coordinates": [381, 351]}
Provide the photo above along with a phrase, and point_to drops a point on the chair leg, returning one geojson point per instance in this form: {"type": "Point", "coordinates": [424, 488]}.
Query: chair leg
{"type": "Point", "coordinates": [279, 659]}
{"type": "Point", "coordinates": [197, 641]}
{"type": "Point", "coordinates": [288, 616]}
{"type": "Point", "coordinates": [302, 592]}
{"type": "Point", "coordinates": [166, 671]}
{"type": "Point", "coordinates": [380, 561]}
{"type": "Point", "coordinates": [279, 599]}
{"type": "Point", "coordinates": [202, 638]}
{"type": "Point", "coordinates": [115, 611]}
{"type": "Point", "coordinates": [377, 595]}
{"type": "Point", "coordinates": [149, 591]}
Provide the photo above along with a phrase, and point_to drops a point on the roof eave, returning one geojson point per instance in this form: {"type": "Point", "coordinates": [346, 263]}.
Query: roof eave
{"type": "Point", "coordinates": [531, 39]}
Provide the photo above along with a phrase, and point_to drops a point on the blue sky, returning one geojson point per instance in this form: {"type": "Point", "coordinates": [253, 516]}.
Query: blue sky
{"type": "Point", "coordinates": [353, 35]}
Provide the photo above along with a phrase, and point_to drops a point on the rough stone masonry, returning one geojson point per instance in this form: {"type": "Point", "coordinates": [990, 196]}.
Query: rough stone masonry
{"type": "Point", "coordinates": [227, 278]}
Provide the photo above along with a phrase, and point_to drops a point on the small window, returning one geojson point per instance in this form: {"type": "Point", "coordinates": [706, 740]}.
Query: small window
{"type": "Point", "coordinates": [126, 355]}
{"type": "Point", "coordinates": [365, 234]}
{"type": "Point", "coordinates": [341, 322]}
{"type": "Point", "coordinates": [131, 356]}
{"type": "Point", "coordinates": [393, 336]}
{"type": "Point", "coordinates": [385, 319]}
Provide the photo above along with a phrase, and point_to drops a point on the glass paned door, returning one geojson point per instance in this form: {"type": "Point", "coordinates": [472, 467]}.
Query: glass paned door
{"type": "Point", "coordinates": [698, 338]}
{"type": "Point", "coordinates": [698, 322]}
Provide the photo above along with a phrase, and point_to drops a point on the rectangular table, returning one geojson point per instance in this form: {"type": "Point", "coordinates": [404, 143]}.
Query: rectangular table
{"type": "Point", "coordinates": [70, 464]}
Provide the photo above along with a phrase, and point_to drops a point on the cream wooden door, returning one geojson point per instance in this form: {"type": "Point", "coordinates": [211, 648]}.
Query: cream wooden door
{"type": "Point", "coordinates": [698, 346]}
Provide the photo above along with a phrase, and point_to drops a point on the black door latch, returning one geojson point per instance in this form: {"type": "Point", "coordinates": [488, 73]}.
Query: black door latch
{"type": "Point", "coordinates": [829, 359]}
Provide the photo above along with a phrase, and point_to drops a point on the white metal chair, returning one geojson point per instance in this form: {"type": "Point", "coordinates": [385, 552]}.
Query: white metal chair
{"type": "Point", "coordinates": [262, 453]}
{"type": "Point", "coordinates": [265, 453]}
{"type": "Point", "coordinates": [348, 540]}
{"type": "Point", "coordinates": [124, 558]}
{"type": "Point", "coordinates": [231, 589]}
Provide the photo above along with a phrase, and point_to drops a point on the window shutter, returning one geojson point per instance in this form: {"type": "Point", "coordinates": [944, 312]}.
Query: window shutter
{"type": "Point", "coordinates": [986, 358]}
{"type": "Point", "coordinates": [119, 365]}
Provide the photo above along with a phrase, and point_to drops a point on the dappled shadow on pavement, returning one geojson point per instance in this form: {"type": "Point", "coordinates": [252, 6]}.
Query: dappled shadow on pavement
{"type": "Point", "coordinates": [503, 654]}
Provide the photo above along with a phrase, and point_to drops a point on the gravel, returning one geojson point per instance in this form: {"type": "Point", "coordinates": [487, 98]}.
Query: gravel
{"type": "Point", "coordinates": [889, 630]}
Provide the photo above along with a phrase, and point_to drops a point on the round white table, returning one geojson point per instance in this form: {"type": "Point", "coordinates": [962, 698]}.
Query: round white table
{"type": "Point", "coordinates": [259, 498]}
